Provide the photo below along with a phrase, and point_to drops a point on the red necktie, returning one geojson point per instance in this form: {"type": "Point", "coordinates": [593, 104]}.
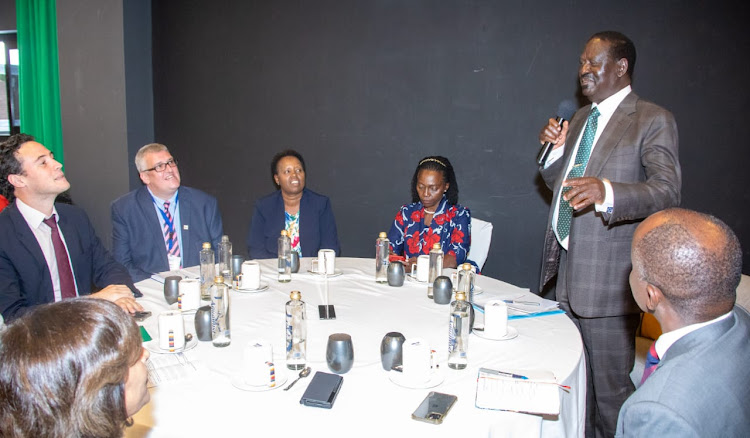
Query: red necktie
{"type": "Point", "coordinates": [652, 361]}
{"type": "Point", "coordinates": [67, 284]}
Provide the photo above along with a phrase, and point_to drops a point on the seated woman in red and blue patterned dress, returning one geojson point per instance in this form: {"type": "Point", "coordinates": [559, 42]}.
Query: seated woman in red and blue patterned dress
{"type": "Point", "coordinates": [434, 216]}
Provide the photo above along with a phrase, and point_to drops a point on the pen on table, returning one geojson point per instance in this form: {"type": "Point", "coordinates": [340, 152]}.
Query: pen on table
{"type": "Point", "coordinates": [504, 374]}
{"type": "Point", "coordinates": [527, 303]}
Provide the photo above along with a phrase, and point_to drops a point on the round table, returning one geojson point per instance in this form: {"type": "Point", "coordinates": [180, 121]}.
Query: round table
{"type": "Point", "coordinates": [205, 403]}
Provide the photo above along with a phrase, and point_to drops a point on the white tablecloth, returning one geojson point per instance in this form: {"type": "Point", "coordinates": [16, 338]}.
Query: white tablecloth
{"type": "Point", "coordinates": [369, 404]}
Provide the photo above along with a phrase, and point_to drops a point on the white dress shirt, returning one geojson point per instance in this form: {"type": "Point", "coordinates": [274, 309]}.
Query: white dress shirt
{"type": "Point", "coordinates": [43, 233]}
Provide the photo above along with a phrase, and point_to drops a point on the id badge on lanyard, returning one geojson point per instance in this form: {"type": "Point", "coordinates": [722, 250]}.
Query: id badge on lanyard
{"type": "Point", "coordinates": [175, 262]}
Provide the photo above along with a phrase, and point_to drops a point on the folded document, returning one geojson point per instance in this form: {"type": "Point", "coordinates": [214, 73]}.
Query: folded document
{"type": "Point", "coordinates": [529, 391]}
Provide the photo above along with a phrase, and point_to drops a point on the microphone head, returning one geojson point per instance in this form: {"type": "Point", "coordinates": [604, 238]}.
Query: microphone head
{"type": "Point", "coordinates": [566, 109]}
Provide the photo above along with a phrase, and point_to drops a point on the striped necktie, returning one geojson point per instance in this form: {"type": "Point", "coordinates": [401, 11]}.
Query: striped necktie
{"type": "Point", "coordinates": [565, 211]}
{"type": "Point", "coordinates": [170, 235]}
{"type": "Point", "coordinates": [652, 361]}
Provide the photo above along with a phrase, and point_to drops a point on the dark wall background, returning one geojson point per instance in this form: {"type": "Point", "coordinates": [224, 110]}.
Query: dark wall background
{"type": "Point", "coordinates": [8, 15]}
{"type": "Point", "coordinates": [364, 89]}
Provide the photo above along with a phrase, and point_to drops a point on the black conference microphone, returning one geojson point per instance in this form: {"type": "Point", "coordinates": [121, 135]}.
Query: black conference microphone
{"type": "Point", "coordinates": [565, 111]}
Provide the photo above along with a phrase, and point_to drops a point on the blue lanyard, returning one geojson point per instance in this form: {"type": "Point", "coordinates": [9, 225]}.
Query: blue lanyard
{"type": "Point", "coordinates": [170, 223]}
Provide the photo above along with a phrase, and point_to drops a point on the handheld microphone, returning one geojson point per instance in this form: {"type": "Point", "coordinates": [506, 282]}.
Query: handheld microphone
{"type": "Point", "coordinates": [565, 111]}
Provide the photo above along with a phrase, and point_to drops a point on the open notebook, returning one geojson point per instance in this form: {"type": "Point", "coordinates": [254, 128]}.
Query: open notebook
{"type": "Point", "coordinates": [504, 390]}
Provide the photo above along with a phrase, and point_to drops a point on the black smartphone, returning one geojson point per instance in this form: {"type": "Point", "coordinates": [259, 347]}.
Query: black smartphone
{"type": "Point", "coordinates": [322, 390]}
{"type": "Point", "coordinates": [434, 407]}
{"type": "Point", "coordinates": [140, 316]}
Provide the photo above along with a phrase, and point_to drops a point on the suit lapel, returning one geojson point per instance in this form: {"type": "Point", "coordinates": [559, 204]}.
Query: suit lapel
{"type": "Point", "coordinates": [28, 240]}
{"type": "Point", "coordinates": [26, 236]}
{"type": "Point", "coordinates": [183, 202]}
{"type": "Point", "coordinates": [304, 225]}
{"type": "Point", "coordinates": [610, 137]}
{"type": "Point", "coordinates": [146, 205]}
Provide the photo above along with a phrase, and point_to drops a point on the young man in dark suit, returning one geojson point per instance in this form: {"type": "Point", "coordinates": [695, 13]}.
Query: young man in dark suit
{"type": "Point", "coordinates": [49, 251]}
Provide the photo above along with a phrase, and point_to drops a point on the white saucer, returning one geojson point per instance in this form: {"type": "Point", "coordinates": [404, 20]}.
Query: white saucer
{"type": "Point", "coordinates": [398, 378]}
{"type": "Point", "coordinates": [188, 312]}
{"type": "Point", "coordinates": [239, 383]}
{"type": "Point", "coordinates": [153, 346]}
{"type": "Point", "coordinates": [263, 286]}
{"type": "Point", "coordinates": [336, 273]}
{"type": "Point", "coordinates": [512, 333]}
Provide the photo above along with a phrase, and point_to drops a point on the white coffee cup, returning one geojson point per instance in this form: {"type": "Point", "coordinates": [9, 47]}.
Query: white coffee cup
{"type": "Point", "coordinates": [250, 277]}
{"type": "Point", "coordinates": [258, 368]}
{"type": "Point", "coordinates": [495, 319]}
{"type": "Point", "coordinates": [190, 294]}
{"type": "Point", "coordinates": [421, 269]}
{"type": "Point", "coordinates": [417, 360]}
{"type": "Point", "coordinates": [171, 330]}
{"type": "Point", "coordinates": [326, 262]}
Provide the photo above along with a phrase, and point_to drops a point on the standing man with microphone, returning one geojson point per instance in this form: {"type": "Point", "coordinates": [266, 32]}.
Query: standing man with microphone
{"type": "Point", "coordinates": [614, 163]}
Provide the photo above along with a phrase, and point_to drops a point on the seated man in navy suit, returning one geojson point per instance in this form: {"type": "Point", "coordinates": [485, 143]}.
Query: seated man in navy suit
{"type": "Point", "coordinates": [686, 268]}
{"type": "Point", "coordinates": [162, 226]}
{"type": "Point", "coordinates": [48, 251]}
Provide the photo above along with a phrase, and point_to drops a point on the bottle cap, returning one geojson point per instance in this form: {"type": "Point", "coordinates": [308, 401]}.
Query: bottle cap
{"type": "Point", "coordinates": [225, 238]}
{"type": "Point", "coordinates": [284, 233]}
{"type": "Point", "coordinates": [382, 235]}
{"type": "Point", "coordinates": [436, 246]}
{"type": "Point", "coordinates": [295, 295]}
{"type": "Point", "coordinates": [460, 296]}
{"type": "Point", "coordinates": [466, 266]}
{"type": "Point", "coordinates": [219, 279]}
{"type": "Point", "coordinates": [206, 245]}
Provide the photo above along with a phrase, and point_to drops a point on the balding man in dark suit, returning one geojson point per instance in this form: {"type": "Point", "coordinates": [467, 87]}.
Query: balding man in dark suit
{"type": "Point", "coordinates": [615, 163]}
{"type": "Point", "coordinates": [686, 268]}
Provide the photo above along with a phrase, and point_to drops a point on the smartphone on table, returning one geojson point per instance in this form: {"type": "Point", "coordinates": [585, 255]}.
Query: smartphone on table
{"type": "Point", "coordinates": [434, 407]}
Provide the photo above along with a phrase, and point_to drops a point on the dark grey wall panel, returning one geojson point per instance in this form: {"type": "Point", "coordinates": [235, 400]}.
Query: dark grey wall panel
{"type": "Point", "coordinates": [92, 105]}
{"type": "Point", "coordinates": [363, 89]}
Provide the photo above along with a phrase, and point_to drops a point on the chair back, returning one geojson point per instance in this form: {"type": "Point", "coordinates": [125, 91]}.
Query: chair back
{"type": "Point", "coordinates": [743, 292]}
{"type": "Point", "coordinates": [481, 237]}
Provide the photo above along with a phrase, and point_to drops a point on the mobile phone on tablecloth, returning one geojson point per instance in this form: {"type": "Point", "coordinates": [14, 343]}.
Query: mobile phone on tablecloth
{"type": "Point", "coordinates": [434, 407]}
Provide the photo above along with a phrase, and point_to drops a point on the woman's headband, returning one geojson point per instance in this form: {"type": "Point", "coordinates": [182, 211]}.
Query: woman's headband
{"type": "Point", "coordinates": [433, 159]}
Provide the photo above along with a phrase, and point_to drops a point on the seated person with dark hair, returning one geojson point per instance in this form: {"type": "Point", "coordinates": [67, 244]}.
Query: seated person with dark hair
{"type": "Point", "coordinates": [76, 368]}
{"type": "Point", "coordinates": [434, 216]}
{"type": "Point", "coordinates": [686, 269]}
{"type": "Point", "coordinates": [306, 215]}
{"type": "Point", "coordinates": [49, 251]}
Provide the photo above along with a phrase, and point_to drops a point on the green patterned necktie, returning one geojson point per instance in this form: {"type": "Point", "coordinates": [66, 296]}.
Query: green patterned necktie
{"type": "Point", "coordinates": [565, 211]}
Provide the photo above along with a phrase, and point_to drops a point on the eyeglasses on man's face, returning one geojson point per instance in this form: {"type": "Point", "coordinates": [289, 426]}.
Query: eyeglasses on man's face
{"type": "Point", "coordinates": [161, 167]}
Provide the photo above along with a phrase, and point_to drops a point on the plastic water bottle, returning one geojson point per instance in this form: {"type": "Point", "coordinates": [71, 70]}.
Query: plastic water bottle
{"type": "Point", "coordinates": [296, 332]}
{"type": "Point", "coordinates": [220, 334]}
{"type": "Point", "coordinates": [225, 259]}
{"type": "Point", "coordinates": [436, 267]}
{"type": "Point", "coordinates": [382, 247]}
{"type": "Point", "coordinates": [285, 257]}
{"type": "Point", "coordinates": [466, 278]}
{"type": "Point", "coordinates": [458, 333]}
{"type": "Point", "coordinates": [207, 270]}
